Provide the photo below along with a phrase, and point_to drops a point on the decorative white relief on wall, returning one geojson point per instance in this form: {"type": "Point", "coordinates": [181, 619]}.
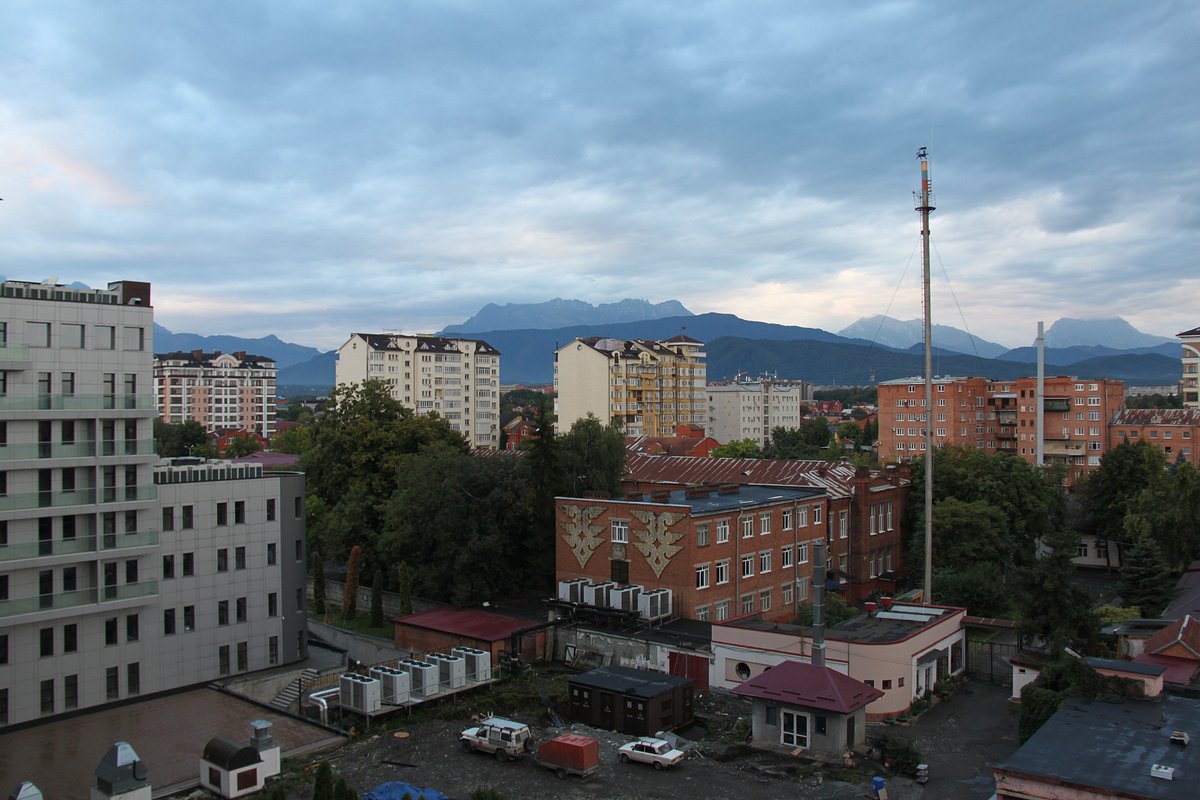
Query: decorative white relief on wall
{"type": "Point", "coordinates": [657, 542]}
{"type": "Point", "coordinates": [583, 536]}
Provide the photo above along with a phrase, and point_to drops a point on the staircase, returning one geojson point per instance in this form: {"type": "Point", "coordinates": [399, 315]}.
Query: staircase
{"type": "Point", "coordinates": [286, 699]}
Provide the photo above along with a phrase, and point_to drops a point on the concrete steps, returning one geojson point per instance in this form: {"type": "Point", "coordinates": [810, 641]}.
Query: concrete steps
{"type": "Point", "coordinates": [286, 699]}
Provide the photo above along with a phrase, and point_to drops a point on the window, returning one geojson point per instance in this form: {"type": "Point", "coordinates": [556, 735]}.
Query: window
{"type": "Point", "coordinates": [887, 684]}
{"type": "Point", "coordinates": [748, 603]}
{"type": "Point", "coordinates": [722, 572]}
{"type": "Point", "coordinates": [801, 589]}
{"type": "Point", "coordinates": [748, 566]}
{"type": "Point", "coordinates": [271, 510]}
{"type": "Point", "coordinates": [243, 660]}
{"type": "Point", "coordinates": [620, 531]}
{"type": "Point", "coordinates": [223, 659]}
{"type": "Point", "coordinates": [747, 527]}
{"type": "Point", "coordinates": [168, 567]}
{"type": "Point", "coordinates": [785, 557]}
{"type": "Point", "coordinates": [273, 651]}
{"type": "Point", "coordinates": [112, 686]}
{"type": "Point", "coordinates": [702, 576]}
{"type": "Point", "coordinates": [787, 592]}
{"type": "Point", "coordinates": [3, 648]}
{"type": "Point", "coordinates": [222, 560]}
{"type": "Point", "coordinates": [70, 638]}
{"type": "Point", "coordinates": [189, 618]}
{"type": "Point", "coordinates": [703, 613]}
{"type": "Point", "coordinates": [239, 512]}
{"type": "Point", "coordinates": [240, 609]}
{"type": "Point", "coordinates": [702, 534]}
{"type": "Point", "coordinates": [189, 564]}
{"type": "Point", "coordinates": [802, 553]}
{"type": "Point", "coordinates": [110, 631]}
{"type": "Point", "coordinates": [131, 571]}
{"type": "Point", "coordinates": [187, 517]}
{"type": "Point", "coordinates": [271, 556]}
{"type": "Point", "coordinates": [787, 519]}
{"type": "Point", "coordinates": [133, 678]}
{"type": "Point", "coordinates": [843, 524]}
{"type": "Point", "coordinates": [618, 571]}
{"type": "Point", "coordinates": [48, 696]}
{"type": "Point", "coordinates": [816, 515]}
{"type": "Point", "coordinates": [70, 691]}
{"type": "Point", "coordinates": [298, 507]}
{"type": "Point", "coordinates": [764, 523]}
{"type": "Point", "coordinates": [764, 561]}
{"type": "Point", "coordinates": [802, 517]}
{"type": "Point", "coordinates": [169, 622]}
{"type": "Point", "coordinates": [37, 334]}
{"type": "Point", "coordinates": [764, 600]}
{"type": "Point", "coordinates": [272, 604]}
{"type": "Point", "coordinates": [222, 513]}
{"type": "Point", "coordinates": [131, 628]}
{"type": "Point", "coordinates": [46, 640]}
{"type": "Point", "coordinates": [222, 612]}
{"type": "Point", "coordinates": [722, 531]}
{"type": "Point", "coordinates": [239, 558]}
{"type": "Point", "coordinates": [168, 518]}
{"type": "Point", "coordinates": [299, 549]}
{"type": "Point", "coordinates": [722, 611]}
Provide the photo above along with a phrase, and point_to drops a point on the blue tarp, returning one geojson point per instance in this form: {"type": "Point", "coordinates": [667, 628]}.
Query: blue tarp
{"type": "Point", "coordinates": [396, 790]}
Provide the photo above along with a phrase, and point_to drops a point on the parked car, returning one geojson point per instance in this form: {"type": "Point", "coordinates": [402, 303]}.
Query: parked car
{"type": "Point", "coordinates": [649, 750]}
{"type": "Point", "coordinates": [501, 737]}
{"type": "Point", "coordinates": [569, 754]}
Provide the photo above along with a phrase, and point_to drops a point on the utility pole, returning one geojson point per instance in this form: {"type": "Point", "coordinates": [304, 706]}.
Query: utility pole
{"type": "Point", "coordinates": [924, 205]}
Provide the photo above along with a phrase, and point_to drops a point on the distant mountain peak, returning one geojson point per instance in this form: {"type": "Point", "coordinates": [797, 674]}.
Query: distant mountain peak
{"type": "Point", "coordinates": [1114, 332]}
{"type": "Point", "coordinates": [903, 334]}
{"type": "Point", "coordinates": [561, 313]}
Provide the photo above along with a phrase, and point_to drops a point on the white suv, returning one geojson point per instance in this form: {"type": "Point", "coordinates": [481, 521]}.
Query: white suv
{"type": "Point", "coordinates": [502, 737]}
{"type": "Point", "coordinates": [651, 751]}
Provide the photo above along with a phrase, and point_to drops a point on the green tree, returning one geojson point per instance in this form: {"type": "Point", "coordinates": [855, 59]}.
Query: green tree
{"type": "Point", "coordinates": [171, 441]}
{"type": "Point", "coordinates": [803, 442]}
{"type": "Point", "coordinates": [377, 599]}
{"type": "Point", "coordinates": [592, 457]}
{"type": "Point", "coordinates": [739, 448]}
{"type": "Point", "coordinates": [404, 588]}
{"type": "Point", "coordinates": [836, 610]}
{"type": "Point", "coordinates": [323, 782]}
{"type": "Point", "coordinates": [1052, 609]}
{"type": "Point", "coordinates": [296, 440]}
{"type": "Point", "coordinates": [966, 535]}
{"type": "Point", "coordinates": [1111, 491]}
{"type": "Point", "coordinates": [979, 589]}
{"type": "Point", "coordinates": [1145, 577]}
{"type": "Point", "coordinates": [1037, 707]}
{"type": "Point", "coordinates": [242, 445]}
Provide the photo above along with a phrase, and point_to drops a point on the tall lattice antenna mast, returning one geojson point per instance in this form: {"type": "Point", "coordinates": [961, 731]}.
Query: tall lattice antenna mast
{"type": "Point", "coordinates": [924, 205]}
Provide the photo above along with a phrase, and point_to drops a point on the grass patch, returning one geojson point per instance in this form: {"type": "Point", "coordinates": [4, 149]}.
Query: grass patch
{"type": "Point", "coordinates": [358, 623]}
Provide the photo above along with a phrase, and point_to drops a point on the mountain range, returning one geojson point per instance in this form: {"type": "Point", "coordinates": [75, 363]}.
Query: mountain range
{"type": "Point", "coordinates": [872, 349]}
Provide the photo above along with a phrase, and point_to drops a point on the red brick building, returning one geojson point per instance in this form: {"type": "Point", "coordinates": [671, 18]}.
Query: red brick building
{"type": "Point", "coordinates": [1175, 430]}
{"type": "Point", "coordinates": [721, 552]}
{"type": "Point", "coordinates": [862, 523]}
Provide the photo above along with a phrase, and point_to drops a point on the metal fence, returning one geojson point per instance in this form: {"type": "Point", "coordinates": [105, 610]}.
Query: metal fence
{"type": "Point", "coordinates": [988, 661]}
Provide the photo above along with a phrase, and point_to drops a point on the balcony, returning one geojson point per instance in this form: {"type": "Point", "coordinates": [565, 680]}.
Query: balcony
{"type": "Point", "coordinates": [55, 547]}
{"type": "Point", "coordinates": [77, 402]}
{"type": "Point", "coordinates": [124, 541]}
{"type": "Point", "coordinates": [1062, 448]}
{"type": "Point", "coordinates": [128, 591]}
{"type": "Point", "coordinates": [127, 447]}
{"type": "Point", "coordinates": [46, 602]}
{"type": "Point", "coordinates": [17, 452]}
{"type": "Point", "coordinates": [128, 494]}
{"type": "Point", "coordinates": [14, 357]}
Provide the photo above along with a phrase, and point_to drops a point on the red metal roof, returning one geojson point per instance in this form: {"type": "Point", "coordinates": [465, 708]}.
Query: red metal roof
{"type": "Point", "coordinates": [466, 622]}
{"type": "Point", "coordinates": [837, 478]}
{"type": "Point", "coordinates": [1185, 632]}
{"type": "Point", "coordinates": [1180, 671]}
{"type": "Point", "coordinates": [810, 686]}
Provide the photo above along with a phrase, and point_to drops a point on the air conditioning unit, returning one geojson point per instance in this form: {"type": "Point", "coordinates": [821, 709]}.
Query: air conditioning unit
{"type": "Point", "coordinates": [597, 594]}
{"type": "Point", "coordinates": [479, 663]}
{"type": "Point", "coordinates": [655, 604]}
{"type": "Point", "coordinates": [625, 598]}
{"type": "Point", "coordinates": [452, 670]}
{"type": "Point", "coordinates": [572, 591]}
{"type": "Point", "coordinates": [423, 677]}
{"type": "Point", "coordinates": [359, 693]}
{"type": "Point", "coordinates": [1162, 771]}
{"type": "Point", "coordinates": [395, 684]}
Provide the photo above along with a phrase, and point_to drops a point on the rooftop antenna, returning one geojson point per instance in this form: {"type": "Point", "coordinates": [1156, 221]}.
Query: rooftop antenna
{"type": "Point", "coordinates": [924, 206]}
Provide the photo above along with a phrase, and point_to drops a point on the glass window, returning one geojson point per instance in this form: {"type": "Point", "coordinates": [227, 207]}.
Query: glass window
{"type": "Point", "coordinates": [620, 531]}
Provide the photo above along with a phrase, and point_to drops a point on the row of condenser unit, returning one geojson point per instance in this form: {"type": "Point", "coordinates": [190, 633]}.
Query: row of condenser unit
{"type": "Point", "coordinates": [413, 680]}
{"type": "Point", "coordinates": [653, 604]}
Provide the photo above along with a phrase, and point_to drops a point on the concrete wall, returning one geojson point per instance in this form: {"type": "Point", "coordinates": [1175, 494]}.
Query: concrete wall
{"type": "Point", "coordinates": [831, 744]}
{"type": "Point", "coordinates": [391, 600]}
{"type": "Point", "coordinates": [367, 649]}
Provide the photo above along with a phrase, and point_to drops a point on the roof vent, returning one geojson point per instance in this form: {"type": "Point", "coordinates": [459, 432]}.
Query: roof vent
{"type": "Point", "coordinates": [1162, 771]}
{"type": "Point", "coordinates": [729, 488]}
{"type": "Point", "coordinates": [1181, 738]}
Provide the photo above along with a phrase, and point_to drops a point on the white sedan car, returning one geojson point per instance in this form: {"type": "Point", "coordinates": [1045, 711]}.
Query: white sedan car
{"type": "Point", "coordinates": [651, 751]}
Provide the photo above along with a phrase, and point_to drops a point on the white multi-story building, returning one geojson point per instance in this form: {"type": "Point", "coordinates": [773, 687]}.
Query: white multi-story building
{"type": "Point", "coordinates": [221, 391]}
{"type": "Point", "coordinates": [458, 379]}
{"type": "Point", "coordinates": [751, 410]}
{"type": "Point", "coordinates": [94, 596]}
{"type": "Point", "coordinates": [1190, 386]}
{"type": "Point", "coordinates": [649, 387]}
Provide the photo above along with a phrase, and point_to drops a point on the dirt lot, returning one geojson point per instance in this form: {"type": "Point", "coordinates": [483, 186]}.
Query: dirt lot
{"type": "Point", "coordinates": [961, 737]}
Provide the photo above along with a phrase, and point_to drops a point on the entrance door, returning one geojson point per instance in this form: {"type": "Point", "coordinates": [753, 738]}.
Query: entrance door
{"type": "Point", "coordinates": [794, 730]}
{"type": "Point", "coordinates": [606, 710]}
{"type": "Point", "coordinates": [850, 732]}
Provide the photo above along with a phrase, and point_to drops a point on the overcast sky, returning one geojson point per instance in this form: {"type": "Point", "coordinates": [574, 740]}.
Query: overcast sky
{"type": "Point", "coordinates": [312, 168]}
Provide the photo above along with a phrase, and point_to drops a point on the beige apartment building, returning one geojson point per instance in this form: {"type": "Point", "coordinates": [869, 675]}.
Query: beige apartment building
{"type": "Point", "coordinates": [221, 391]}
{"type": "Point", "coordinates": [647, 386]}
{"type": "Point", "coordinates": [752, 409]}
{"type": "Point", "coordinates": [457, 379]}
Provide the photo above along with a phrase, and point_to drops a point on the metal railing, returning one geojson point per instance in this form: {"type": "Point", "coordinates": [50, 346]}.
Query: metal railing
{"type": "Point", "coordinates": [77, 402]}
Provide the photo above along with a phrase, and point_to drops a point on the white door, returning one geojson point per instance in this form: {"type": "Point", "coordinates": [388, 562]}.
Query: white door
{"type": "Point", "coordinates": [794, 731]}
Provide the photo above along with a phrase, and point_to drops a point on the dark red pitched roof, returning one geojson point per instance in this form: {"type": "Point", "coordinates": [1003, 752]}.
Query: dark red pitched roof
{"type": "Point", "coordinates": [469, 623]}
{"type": "Point", "coordinates": [810, 686]}
{"type": "Point", "coordinates": [1185, 632]}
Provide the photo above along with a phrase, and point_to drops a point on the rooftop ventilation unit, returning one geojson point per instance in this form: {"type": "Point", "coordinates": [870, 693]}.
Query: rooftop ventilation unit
{"type": "Point", "coordinates": [1162, 771]}
{"type": "Point", "coordinates": [452, 670]}
{"type": "Point", "coordinates": [394, 684]}
{"type": "Point", "coordinates": [359, 693]}
{"type": "Point", "coordinates": [625, 598]}
{"type": "Point", "coordinates": [572, 591]}
{"type": "Point", "coordinates": [655, 605]}
{"type": "Point", "coordinates": [479, 663]}
{"type": "Point", "coordinates": [423, 677]}
{"type": "Point", "coordinates": [1181, 738]}
{"type": "Point", "coordinates": [597, 594]}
